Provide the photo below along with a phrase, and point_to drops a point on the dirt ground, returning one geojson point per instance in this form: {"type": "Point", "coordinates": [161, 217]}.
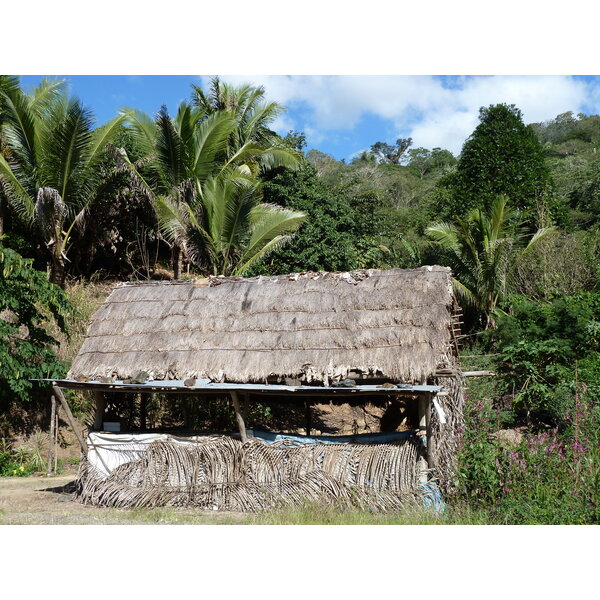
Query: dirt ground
{"type": "Point", "coordinates": [49, 501]}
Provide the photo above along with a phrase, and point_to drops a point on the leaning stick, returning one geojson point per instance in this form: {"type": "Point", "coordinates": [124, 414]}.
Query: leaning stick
{"type": "Point", "coordinates": [70, 418]}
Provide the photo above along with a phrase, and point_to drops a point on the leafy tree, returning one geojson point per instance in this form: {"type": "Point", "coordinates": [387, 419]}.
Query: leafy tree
{"type": "Point", "coordinates": [424, 161]}
{"type": "Point", "coordinates": [502, 156]}
{"type": "Point", "coordinates": [27, 301]}
{"type": "Point", "coordinates": [539, 347]}
{"type": "Point", "coordinates": [481, 249]}
{"type": "Point", "coordinates": [340, 233]}
{"type": "Point", "coordinates": [52, 173]}
{"type": "Point", "coordinates": [386, 153]}
{"type": "Point", "coordinates": [584, 195]}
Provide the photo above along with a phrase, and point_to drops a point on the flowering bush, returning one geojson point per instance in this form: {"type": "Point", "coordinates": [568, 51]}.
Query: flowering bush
{"type": "Point", "coordinates": [550, 477]}
{"type": "Point", "coordinates": [14, 463]}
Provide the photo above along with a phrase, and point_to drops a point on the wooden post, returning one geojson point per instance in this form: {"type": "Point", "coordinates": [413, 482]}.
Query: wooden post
{"type": "Point", "coordinates": [56, 444]}
{"type": "Point", "coordinates": [308, 416]}
{"type": "Point", "coordinates": [51, 442]}
{"type": "Point", "coordinates": [143, 410]}
{"type": "Point", "coordinates": [421, 434]}
{"type": "Point", "coordinates": [238, 416]}
{"type": "Point", "coordinates": [428, 431]}
{"type": "Point", "coordinates": [100, 399]}
{"type": "Point", "coordinates": [70, 418]}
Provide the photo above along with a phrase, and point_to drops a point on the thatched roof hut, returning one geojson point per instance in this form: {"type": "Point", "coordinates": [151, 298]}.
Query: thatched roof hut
{"type": "Point", "coordinates": [308, 337]}
{"type": "Point", "coordinates": [309, 327]}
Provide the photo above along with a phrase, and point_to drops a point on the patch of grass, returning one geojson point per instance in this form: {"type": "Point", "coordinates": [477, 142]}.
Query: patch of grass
{"type": "Point", "coordinates": [316, 514]}
{"type": "Point", "coordinates": [310, 514]}
{"type": "Point", "coordinates": [174, 516]}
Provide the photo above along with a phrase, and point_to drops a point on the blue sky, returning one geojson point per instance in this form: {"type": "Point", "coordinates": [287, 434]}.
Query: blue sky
{"type": "Point", "coordinates": [343, 115]}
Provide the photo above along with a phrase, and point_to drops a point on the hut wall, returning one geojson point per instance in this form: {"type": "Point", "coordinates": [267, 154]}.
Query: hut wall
{"type": "Point", "coordinates": [219, 472]}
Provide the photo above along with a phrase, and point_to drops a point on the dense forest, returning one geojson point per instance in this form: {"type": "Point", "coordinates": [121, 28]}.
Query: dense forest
{"type": "Point", "coordinates": [213, 190]}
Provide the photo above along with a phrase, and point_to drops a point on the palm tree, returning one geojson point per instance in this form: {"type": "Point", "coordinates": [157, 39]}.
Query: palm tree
{"type": "Point", "coordinates": [191, 165]}
{"type": "Point", "coordinates": [481, 250]}
{"type": "Point", "coordinates": [226, 229]}
{"type": "Point", "coordinates": [179, 155]}
{"type": "Point", "coordinates": [52, 171]}
{"type": "Point", "coordinates": [252, 137]}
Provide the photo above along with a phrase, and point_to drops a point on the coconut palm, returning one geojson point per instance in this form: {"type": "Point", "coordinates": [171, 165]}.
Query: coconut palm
{"type": "Point", "coordinates": [179, 155]}
{"type": "Point", "coordinates": [481, 250]}
{"type": "Point", "coordinates": [52, 170]}
{"type": "Point", "coordinates": [190, 166]}
{"type": "Point", "coordinates": [226, 229]}
{"type": "Point", "coordinates": [252, 141]}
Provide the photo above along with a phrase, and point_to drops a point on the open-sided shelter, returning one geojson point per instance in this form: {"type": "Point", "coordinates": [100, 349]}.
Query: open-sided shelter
{"type": "Point", "coordinates": [320, 337]}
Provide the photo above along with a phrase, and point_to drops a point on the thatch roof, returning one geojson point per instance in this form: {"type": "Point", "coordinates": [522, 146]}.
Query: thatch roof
{"type": "Point", "coordinates": [395, 324]}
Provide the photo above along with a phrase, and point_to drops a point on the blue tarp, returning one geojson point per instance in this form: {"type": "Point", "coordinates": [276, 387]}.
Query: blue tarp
{"type": "Point", "coordinates": [364, 438]}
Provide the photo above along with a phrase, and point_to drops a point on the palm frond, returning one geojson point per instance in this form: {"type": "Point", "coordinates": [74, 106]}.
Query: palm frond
{"type": "Point", "coordinates": [66, 149]}
{"type": "Point", "coordinates": [269, 222]}
{"type": "Point", "coordinates": [102, 136]}
{"type": "Point", "coordinates": [142, 127]}
{"type": "Point", "coordinates": [45, 94]}
{"type": "Point", "coordinates": [19, 128]}
{"type": "Point", "coordinates": [211, 140]}
{"type": "Point", "coordinates": [17, 195]}
{"type": "Point", "coordinates": [275, 244]}
{"type": "Point", "coordinates": [169, 149]}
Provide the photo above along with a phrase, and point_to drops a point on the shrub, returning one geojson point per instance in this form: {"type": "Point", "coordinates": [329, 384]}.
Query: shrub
{"type": "Point", "coordinates": [547, 478]}
{"type": "Point", "coordinates": [27, 302]}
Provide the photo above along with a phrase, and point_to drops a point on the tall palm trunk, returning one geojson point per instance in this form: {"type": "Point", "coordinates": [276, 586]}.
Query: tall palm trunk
{"type": "Point", "coordinates": [57, 269]}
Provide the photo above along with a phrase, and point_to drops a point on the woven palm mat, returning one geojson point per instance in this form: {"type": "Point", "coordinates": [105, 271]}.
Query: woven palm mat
{"type": "Point", "coordinates": [222, 473]}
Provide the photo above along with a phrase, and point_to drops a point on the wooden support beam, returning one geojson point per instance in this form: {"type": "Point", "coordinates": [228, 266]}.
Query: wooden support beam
{"type": "Point", "coordinates": [421, 433]}
{"type": "Point", "coordinates": [100, 400]}
{"type": "Point", "coordinates": [429, 431]}
{"type": "Point", "coordinates": [479, 374]}
{"type": "Point", "coordinates": [56, 444]}
{"type": "Point", "coordinates": [143, 410]}
{"type": "Point", "coordinates": [308, 416]}
{"type": "Point", "coordinates": [238, 416]}
{"type": "Point", "coordinates": [58, 393]}
{"type": "Point", "coordinates": [51, 447]}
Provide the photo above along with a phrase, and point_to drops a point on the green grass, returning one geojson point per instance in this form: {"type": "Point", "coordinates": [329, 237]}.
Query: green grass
{"type": "Point", "coordinates": [328, 515]}
{"type": "Point", "coordinates": [311, 514]}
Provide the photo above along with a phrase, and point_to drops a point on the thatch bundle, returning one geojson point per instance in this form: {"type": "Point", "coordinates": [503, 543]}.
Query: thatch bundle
{"type": "Point", "coordinates": [219, 472]}
{"type": "Point", "coordinates": [394, 324]}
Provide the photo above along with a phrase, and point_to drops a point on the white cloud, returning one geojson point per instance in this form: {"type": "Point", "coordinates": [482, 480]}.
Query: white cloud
{"type": "Point", "coordinates": [419, 106]}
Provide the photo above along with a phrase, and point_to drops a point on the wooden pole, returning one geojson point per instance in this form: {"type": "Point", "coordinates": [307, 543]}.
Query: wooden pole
{"type": "Point", "coordinates": [51, 442]}
{"type": "Point", "coordinates": [308, 415]}
{"type": "Point", "coordinates": [70, 418]}
{"type": "Point", "coordinates": [100, 398]}
{"type": "Point", "coordinates": [143, 410]}
{"type": "Point", "coordinates": [238, 416]}
{"type": "Point", "coordinates": [56, 444]}
{"type": "Point", "coordinates": [428, 431]}
{"type": "Point", "coordinates": [421, 434]}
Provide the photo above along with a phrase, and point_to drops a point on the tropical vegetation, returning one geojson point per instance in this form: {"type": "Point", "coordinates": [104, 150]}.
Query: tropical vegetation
{"type": "Point", "coordinates": [212, 190]}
